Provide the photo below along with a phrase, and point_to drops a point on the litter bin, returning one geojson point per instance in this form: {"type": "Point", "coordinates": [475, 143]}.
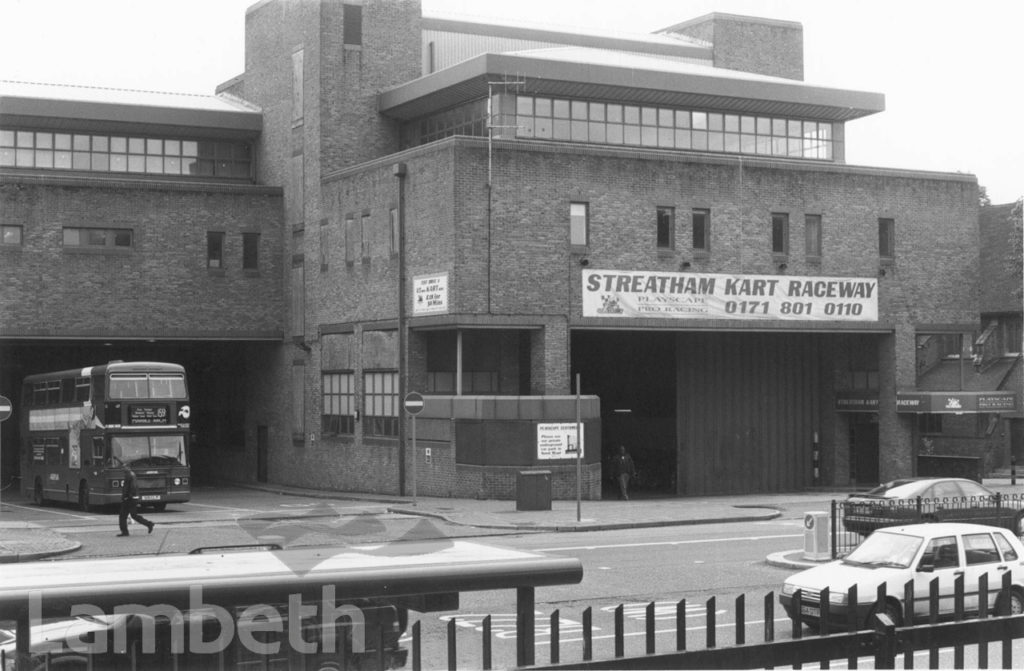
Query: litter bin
{"type": "Point", "coordinates": [533, 490]}
{"type": "Point", "coordinates": [817, 536]}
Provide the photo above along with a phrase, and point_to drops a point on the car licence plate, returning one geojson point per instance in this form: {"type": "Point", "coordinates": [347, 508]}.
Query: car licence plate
{"type": "Point", "coordinates": [812, 611]}
{"type": "Point", "coordinates": [151, 497]}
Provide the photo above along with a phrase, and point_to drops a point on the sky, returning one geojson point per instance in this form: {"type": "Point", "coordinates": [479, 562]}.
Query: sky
{"type": "Point", "coordinates": [950, 70]}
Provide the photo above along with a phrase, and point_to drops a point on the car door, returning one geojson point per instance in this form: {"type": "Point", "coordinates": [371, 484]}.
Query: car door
{"type": "Point", "coordinates": [940, 561]}
{"type": "Point", "coordinates": [981, 557]}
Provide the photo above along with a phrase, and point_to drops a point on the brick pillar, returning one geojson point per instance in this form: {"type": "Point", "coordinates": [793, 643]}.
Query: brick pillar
{"type": "Point", "coordinates": [896, 369]}
{"type": "Point", "coordinates": [549, 359]}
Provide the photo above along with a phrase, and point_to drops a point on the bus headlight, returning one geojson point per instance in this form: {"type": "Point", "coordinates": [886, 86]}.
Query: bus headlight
{"type": "Point", "coordinates": [177, 482]}
{"type": "Point", "coordinates": [116, 484]}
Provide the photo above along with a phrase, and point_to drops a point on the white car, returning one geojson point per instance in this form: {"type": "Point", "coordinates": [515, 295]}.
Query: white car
{"type": "Point", "coordinates": [917, 553]}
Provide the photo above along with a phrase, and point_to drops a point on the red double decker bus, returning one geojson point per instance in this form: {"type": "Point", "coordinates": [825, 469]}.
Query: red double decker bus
{"type": "Point", "coordinates": [80, 428]}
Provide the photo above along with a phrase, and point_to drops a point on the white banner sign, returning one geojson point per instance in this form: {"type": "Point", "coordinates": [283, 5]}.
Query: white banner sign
{"type": "Point", "coordinates": [558, 441]}
{"type": "Point", "coordinates": [625, 293]}
{"type": "Point", "coordinates": [430, 294]}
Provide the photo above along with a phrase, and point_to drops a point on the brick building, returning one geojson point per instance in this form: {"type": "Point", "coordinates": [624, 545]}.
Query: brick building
{"type": "Point", "coordinates": [486, 214]}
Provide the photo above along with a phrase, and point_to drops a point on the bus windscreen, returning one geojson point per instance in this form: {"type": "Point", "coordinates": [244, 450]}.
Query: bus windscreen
{"type": "Point", "coordinates": [152, 450]}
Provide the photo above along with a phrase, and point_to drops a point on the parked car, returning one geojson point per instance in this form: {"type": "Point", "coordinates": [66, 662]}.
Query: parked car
{"type": "Point", "coordinates": [910, 500]}
{"type": "Point", "coordinates": [916, 553]}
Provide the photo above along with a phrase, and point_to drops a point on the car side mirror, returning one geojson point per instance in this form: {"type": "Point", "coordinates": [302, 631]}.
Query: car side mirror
{"type": "Point", "coordinates": [926, 567]}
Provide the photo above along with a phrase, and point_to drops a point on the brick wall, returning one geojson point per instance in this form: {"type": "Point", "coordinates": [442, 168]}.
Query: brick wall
{"type": "Point", "coordinates": [161, 287]}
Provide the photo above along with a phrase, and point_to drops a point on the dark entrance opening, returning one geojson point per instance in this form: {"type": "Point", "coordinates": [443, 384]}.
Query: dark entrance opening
{"type": "Point", "coordinates": [262, 445]}
{"type": "Point", "coordinates": [634, 373]}
{"type": "Point", "coordinates": [864, 450]}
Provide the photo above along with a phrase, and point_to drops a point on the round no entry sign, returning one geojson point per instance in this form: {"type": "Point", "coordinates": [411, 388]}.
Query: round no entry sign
{"type": "Point", "coordinates": [413, 402]}
{"type": "Point", "coordinates": [6, 407]}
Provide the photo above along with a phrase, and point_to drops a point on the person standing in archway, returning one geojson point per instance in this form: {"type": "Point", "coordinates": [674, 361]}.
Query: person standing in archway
{"type": "Point", "coordinates": [624, 472]}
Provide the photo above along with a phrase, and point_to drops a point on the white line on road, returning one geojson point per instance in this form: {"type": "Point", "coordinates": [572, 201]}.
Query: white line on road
{"type": "Point", "coordinates": [51, 511]}
{"type": "Point", "coordinates": [653, 543]}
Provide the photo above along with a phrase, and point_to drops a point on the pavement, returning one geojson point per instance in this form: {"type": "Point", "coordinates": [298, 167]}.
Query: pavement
{"type": "Point", "coordinates": [23, 541]}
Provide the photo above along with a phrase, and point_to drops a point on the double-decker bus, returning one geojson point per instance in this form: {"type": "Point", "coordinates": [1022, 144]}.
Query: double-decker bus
{"type": "Point", "coordinates": [81, 428]}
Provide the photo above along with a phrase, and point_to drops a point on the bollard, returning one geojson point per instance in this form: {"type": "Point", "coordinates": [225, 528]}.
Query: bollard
{"type": "Point", "coordinates": [1013, 470]}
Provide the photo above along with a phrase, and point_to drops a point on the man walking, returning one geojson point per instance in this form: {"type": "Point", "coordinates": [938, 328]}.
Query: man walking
{"type": "Point", "coordinates": [624, 471]}
{"type": "Point", "coordinates": [130, 504]}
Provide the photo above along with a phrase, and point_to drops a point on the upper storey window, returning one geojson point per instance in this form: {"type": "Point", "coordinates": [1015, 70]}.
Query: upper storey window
{"type": "Point", "coordinates": [46, 150]}
{"type": "Point", "coordinates": [566, 120]}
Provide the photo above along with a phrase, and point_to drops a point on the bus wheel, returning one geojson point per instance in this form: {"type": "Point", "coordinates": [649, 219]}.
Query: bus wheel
{"type": "Point", "coordinates": [83, 497]}
{"type": "Point", "coordinates": [37, 493]}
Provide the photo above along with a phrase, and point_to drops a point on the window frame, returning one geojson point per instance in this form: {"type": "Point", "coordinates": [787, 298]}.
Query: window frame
{"type": "Point", "coordinates": [886, 239]}
{"type": "Point", "coordinates": [215, 250]}
{"type": "Point", "coordinates": [579, 224]}
{"type": "Point", "coordinates": [72, 239]}
{"type": "Point", "coordinates": [338, 393]}
{"type": "Point", "coordinates": [780, 234]}
{"type": "Point", "coordinates": [812, 236]}
{"type": "Point", "coordinates": [380, 403]}
{"type": "Point", "coordinates": [251, 251]}
{"type": "Point", "coordinates": [665, 233]}
{"type": "Point", "coordinates": [16, 229]}
{"type": "Point", "coordinates": [703, 213]}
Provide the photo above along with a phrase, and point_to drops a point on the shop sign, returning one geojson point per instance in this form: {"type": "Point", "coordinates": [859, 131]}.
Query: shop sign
{"type": "Point", "coordinates": [558, 441]}
{"type": "Point", "coordinates": [852, 401]}
{"type": "Point", "coordinates": [956, 402]}
{"type": "Point", "coordinates": [430, 294]}
{"type": "Point", "coordinates": [638, 294]}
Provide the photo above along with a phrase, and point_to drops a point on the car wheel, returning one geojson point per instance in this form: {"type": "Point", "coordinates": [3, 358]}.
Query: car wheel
{"type": "Point", "coordinates": [891, 609]}
{"type": "Point", "coordinates": [1016, 598]}
{"type": "Point", "coordinates": [37, 493]}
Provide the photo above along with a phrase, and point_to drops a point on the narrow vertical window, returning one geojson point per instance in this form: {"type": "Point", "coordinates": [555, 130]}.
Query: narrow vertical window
{"type": "Point", "coordinates": [297, 83]}
{"type": "Point", "coordinates": [364, 234]}
{"type": "Point", "coordinates": [886, 238]}
{"type": "Point", "coordinates": [780, 233]}
{"type": "Point", "coordinates": [701, 230]}
{"type": "Point", "coordinates": [578, 223]}
{"type": "Point", "coordinates": [214, 249]}
{"type": "Point", "coordinates": [250, 251]}
{"type": "Point", "coordinates": [352, 22]}
{"type": "Point", "coordinates": [350, 239]}
{"type": "Point", "coordinates": [393, 219]}
{"type": "Point", "coordinates": [812, 235]}
{"type": "Point", "coordinates": [298, 401]}
{"type": "Point", "coordinates": [298, 293]}
{"type": "Point", "coordinates": [325, 241]}
{"type": "Point", "coordinates": [666, 228]}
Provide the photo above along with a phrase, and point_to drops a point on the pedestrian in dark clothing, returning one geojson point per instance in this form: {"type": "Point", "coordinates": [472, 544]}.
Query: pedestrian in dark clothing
{"type": "Point", "coordinates": [624, 471]}
{"type": "Point", "coordinates": [130, 504]}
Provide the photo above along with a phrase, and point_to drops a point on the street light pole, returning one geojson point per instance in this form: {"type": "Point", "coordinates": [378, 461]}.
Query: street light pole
{"type": "Point", "coordinates": [399, 171]}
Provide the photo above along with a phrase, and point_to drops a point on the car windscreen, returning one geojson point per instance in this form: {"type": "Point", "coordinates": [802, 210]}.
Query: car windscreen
{"type": "Point", "coordinates": [884, 548]}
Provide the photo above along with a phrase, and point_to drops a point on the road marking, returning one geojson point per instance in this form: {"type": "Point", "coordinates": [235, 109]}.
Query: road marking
{"type": "Point", "coordinates": [655, 543]}
{"type": "Point", "coordinates": [52, 511]}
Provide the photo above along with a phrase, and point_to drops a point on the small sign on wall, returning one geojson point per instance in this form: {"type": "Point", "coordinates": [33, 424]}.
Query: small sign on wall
{"type": "Point", "coordinates": [558, 441]}
{"type": "Point", "coordinates": [430, 294]}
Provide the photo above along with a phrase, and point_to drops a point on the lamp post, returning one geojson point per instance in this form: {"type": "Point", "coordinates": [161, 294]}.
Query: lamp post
{"type": "Point", "coordinates": [399, 171]}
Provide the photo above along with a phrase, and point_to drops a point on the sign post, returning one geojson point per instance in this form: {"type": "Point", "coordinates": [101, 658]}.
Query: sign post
{"type": "Point", "coordinates": [414, 405]}
{"type": "Point", "coordinates": [5, 412]}
{"type": "Point", "coordinates": [579, 455]}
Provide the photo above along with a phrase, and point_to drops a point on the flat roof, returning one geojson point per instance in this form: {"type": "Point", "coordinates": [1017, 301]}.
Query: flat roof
{"type": "Point", "coordinates": [39, 105]}
{"type": "Point", "coordinates": [602, 74]}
